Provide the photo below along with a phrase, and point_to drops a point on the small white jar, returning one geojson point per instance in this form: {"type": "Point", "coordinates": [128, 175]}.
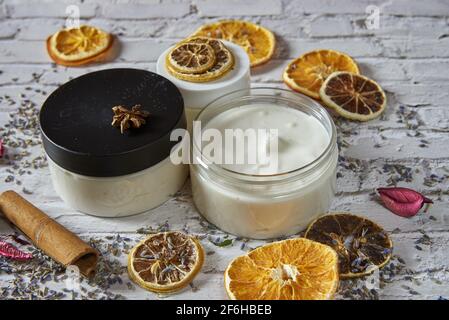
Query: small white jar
{"type": "Point", "coordinates": [264, 206]}
{"type": "Point", "coordinates": [119, 196]}
{"type": "Point", "coordinates": [94, 167]}
{"type": "Point", "coordinates": [198, 95]}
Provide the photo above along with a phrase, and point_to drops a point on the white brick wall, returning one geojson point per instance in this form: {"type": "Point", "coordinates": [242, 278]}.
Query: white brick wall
{"type": "Point", "coordinates": [132, 51]}
{"type": "Point", "coordinates": [418, 7]}
{"type": "Point", "coordinates": [23, 52]}
{"type": "Point", "coordinates": [30, 31]}
{"type": "Point", "coordinates": [328, 7]}
{"type": "Point", "coordinates": [219, 8]}
{"type": "Point", "coordinates": [146, 11]}
{"type": "Point", "coordinates": [53, 9]}
{"type": "Point", "coordinates": [7, 30]}
{"type": "Point", "coordinates": [393, 7]}
{"type": "Point", "coordinates": [331, 27]}
{"type": "Point", "coordinates": [2, 10]}
{"type": "Point", "coordinates": [356, 47]}
{"type": "Point", "coordinates": [425, 70]}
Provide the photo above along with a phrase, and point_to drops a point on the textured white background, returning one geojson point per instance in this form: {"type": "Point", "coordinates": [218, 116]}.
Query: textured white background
{"type": "Point", "coordinates": [408, 55]}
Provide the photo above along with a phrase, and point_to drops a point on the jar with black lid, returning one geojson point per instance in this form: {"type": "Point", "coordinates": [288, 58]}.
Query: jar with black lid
{"type": "Point", "coordinates": [99, 170]}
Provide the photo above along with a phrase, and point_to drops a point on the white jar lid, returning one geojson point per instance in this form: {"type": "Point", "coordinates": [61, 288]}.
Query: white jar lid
{"type": "Point", "coordinates": [198, 95]}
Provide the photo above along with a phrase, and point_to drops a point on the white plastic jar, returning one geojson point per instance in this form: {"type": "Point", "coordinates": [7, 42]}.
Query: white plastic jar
{"type": "Point", "coordinates": [122, 195]}
{"type": "Point", "coordinates": [94, 167]}
{"type": "Point", "coordinates": [260, 206]}
{"type": "Point", "coordinates": [198, 95]}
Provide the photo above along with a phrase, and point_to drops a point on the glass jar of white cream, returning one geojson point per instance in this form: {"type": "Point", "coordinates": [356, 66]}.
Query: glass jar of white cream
{"type": "Point", "coordinates": [244, 200]}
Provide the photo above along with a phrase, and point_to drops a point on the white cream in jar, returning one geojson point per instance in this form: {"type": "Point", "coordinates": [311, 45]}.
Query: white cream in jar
{"type": "Point", "coordinates": [198, 95]}
{"type": "Point", "coordinates": [246, 199]}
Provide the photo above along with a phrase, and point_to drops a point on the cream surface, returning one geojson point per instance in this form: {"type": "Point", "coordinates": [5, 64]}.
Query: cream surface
{"type": "Point", "coordinates": [301, 138]}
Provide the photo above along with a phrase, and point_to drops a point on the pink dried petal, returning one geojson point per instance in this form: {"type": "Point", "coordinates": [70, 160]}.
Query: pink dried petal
{"type": "Point", "coordinates": [403, 201]}
{"type": "Point", "coordinates": [2, 148]}
{"type": "Point", "coordinates": [9, 251]}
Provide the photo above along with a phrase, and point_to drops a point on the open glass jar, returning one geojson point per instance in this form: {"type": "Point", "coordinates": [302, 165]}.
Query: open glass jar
{"type": "Point", "coordinates": [264, 206]}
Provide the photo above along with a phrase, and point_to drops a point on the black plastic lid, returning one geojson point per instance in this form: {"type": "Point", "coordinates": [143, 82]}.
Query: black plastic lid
{"type": "Point", "coordinates": [76, 122]}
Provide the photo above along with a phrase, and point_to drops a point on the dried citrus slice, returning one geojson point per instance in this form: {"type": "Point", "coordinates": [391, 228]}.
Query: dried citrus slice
{"type": "Point", "coordinates": [307, 73]}
{"type": "Point", "coordinates": [293, 269]}
{"type": "Point", "coordinates": [192, 57]}
{"type": "Point", "coordinates": [257, 41]}
{"type": "Point", "coordinates": [224, 61]}
{"type": "Point", "coordinates": [76, 46]}
{"type": "Point", "coordinates": [362, 245]}
{"type": "Point", "coordinates": [165, 262]}
{"type": "Point", "coordinates": [353, 96]}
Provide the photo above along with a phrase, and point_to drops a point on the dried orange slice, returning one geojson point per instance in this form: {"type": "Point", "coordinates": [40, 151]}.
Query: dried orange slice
{"type": "Point", "coordinates": [307, 73]}
{"type": "Point", "coordinates": [77, 46]}
{"type": "Point", "coordinates": [353, 96]}
{"type": "Point", "coordinates": [224, 61]}
{"type": "Point", "coordinates": [362, 245]}
{"type": "Point", "coordinates": [192, 57]}
{"type": "Point", "coordinates": [165, 262]}
{"type": "Point", "coordinates": [293, 269]}
{"type": "Point", "coordinates": [257, 41]}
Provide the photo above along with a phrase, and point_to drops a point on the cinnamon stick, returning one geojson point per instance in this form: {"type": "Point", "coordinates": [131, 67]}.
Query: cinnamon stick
{"type": "Point", "coordinates": [47, 234]}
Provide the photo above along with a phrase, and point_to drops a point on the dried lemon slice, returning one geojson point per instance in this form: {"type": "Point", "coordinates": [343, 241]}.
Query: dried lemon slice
{"type": "Point", "coordinates": [353, 96]}
{"type": "Point", "coordinates": [77, 46]}
{"type": "Point", "coordinates": [224, 61]}
{"type": "Point", "coordinates": [307, 73]}
{"type": "Point", "coordinates": [258, 42]}
{"type": "Point", "coordinates": [293, 269]}
{"type": "Point", "coordinates": [361, 244]}
{"type": "Point", "coordinates": [192, 57]}
{"type": "Point", "coordinates": [165, 262]}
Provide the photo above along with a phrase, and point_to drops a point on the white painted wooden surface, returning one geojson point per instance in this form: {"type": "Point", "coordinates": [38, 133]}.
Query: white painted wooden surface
{"type": "Point", "coordinates": [408, 55]}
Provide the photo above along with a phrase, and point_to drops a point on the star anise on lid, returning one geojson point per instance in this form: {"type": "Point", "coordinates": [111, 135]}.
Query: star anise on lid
{"type": "Point", "coordinates": [125, 118]}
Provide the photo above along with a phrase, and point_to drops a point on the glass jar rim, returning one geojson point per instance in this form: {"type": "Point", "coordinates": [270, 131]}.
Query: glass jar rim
{"type": "Point", "coordinates": [295, 99]}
